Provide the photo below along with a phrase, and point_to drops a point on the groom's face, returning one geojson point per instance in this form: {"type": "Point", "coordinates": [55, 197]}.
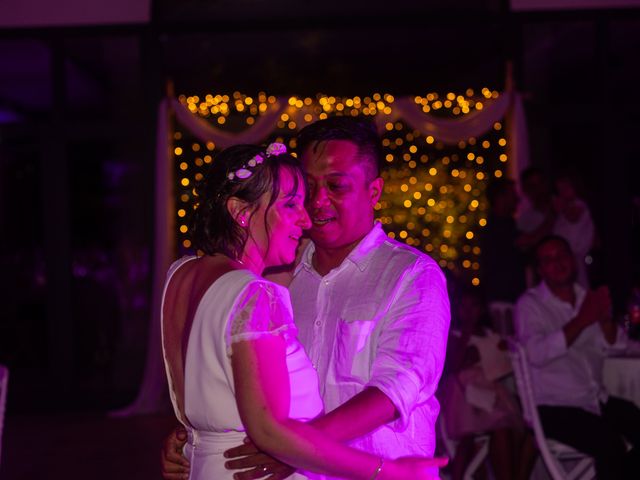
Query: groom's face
{"type": "Point", "coordinates": [341, 198]}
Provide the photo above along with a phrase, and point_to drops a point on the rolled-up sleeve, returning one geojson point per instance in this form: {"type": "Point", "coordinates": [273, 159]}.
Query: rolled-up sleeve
{"type": "Point", "coordinates": [412, 341]}
{"type": "Point", "coordinates": [541, 345]}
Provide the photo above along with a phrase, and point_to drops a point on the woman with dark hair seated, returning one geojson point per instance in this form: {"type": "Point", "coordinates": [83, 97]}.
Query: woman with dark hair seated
{"type": "Point", "coordinates": [475, 397]}
{"type": "Point", "coordinates": [234, 364]}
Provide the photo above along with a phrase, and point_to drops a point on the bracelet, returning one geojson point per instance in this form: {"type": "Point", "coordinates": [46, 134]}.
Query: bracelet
{"type": "Point", "coordinates": [378, 470]}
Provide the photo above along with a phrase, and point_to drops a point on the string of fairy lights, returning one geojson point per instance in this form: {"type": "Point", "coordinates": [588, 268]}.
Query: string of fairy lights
{"type": "Point", "coordinates": [433, 197]}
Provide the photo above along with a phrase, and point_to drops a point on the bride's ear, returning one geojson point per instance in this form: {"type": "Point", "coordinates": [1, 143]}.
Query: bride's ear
{"type": "Point", "coordinates": [238, 209]}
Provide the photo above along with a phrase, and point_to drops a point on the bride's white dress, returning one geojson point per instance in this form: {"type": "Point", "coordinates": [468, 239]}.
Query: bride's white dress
{"type": "Point", "coordinates": [238, 306]}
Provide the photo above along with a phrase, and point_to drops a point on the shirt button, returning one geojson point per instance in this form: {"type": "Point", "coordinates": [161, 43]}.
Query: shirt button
{"type": "Point", "coordinates": [318, 323]}
{"type": "Point", "coordinates": [326, 282]}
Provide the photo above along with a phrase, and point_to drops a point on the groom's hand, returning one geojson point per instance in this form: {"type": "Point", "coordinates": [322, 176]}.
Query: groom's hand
{"type": "Point", "coordinates": [259, 465]}
{"type": "Point", "coordinates": [173, 465]}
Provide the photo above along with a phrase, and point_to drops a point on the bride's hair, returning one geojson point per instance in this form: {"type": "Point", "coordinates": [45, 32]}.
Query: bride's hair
{"type": "Point", "coordinates": [246, 172]}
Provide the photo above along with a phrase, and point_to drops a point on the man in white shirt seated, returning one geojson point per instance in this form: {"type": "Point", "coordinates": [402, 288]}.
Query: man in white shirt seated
{"type": "Point", "coordinates": [567, 331]}
{"type": "Point", "coordinates": [372, 313]}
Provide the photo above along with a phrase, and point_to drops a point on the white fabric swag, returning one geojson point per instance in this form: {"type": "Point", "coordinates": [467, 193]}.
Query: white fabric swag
{"type": "Point", "coordinates": [447, 130]}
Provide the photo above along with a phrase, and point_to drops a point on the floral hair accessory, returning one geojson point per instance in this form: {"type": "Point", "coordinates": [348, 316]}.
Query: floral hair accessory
{"type": "Point", "coordinates": [276, 149]}
{"type": "Point", "coordinates": [273, 150]}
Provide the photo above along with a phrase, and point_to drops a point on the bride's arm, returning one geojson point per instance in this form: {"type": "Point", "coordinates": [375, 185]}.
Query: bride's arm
{"type": "Point", "coordinates": [262, 394]}
{"type": "Point", "coordinates": [360, 415]}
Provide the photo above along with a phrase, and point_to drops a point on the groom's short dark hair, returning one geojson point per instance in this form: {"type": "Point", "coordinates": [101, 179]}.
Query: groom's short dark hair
{"type": "Point", "coordinates": [360, 131]}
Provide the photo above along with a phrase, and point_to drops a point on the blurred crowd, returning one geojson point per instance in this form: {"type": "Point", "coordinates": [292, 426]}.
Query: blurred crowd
{"type": "Point", "coordinates": [540, 287]}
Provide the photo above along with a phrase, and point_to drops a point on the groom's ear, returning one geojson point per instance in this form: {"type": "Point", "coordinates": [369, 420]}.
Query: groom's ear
{"type": "Point", "coordinates": [375, 190]}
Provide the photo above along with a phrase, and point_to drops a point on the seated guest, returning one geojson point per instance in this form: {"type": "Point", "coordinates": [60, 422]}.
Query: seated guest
{"type": "Point", "coordinates": [566, 331]}
{"type": "Point", "coordinates": [474, 400]}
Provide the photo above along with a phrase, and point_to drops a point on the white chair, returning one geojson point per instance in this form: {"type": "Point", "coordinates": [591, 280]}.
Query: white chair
{"type": "Point", "coordinates": [450, 445]}
{"type": "Point", "coordinates": [562, 461]}
{"type": "Point", "coordinates": [4, 380]}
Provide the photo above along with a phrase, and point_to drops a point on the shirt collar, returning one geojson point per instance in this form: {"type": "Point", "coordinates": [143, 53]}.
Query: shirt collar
{"type": "Point", "coordinates": [546, 294]}
{"type": "Point", "coordinates": [360, 256]}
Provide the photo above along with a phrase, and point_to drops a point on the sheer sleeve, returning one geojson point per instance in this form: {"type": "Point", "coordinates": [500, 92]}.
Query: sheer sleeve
{"type": "Point", "coordinates": [262, 309]}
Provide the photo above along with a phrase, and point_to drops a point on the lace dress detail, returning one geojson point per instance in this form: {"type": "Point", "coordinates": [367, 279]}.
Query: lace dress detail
{"type": "Point", "coordinates": [262, 310]}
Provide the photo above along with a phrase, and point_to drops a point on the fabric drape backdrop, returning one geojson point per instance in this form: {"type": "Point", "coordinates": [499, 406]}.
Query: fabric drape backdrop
{"type": "Point", "coordinates": [153, 395]}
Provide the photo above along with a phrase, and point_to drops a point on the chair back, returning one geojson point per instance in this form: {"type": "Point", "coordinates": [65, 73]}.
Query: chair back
{"type": "Point", "coordinates": [523, 383]}
{"type": "Point", "coordinates": [4, 382]}
{"type": "Point", "coordinates": [481, 441]}
{"type": "Point", "coordinates": [552, 452]}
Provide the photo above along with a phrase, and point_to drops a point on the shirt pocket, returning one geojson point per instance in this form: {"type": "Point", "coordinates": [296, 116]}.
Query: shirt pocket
{"type": "Point", "coordinates": [355, 344]}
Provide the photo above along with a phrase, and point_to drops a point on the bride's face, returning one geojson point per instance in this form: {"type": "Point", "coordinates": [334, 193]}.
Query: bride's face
{"type": "Point", "coordinates": [276, 235]}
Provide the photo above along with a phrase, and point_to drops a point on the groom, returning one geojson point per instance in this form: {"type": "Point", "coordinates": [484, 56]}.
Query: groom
{"type": "Point", "coordinates": [372, 313]}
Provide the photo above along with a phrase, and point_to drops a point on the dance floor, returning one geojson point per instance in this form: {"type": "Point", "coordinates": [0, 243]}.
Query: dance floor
{"type": "Point", "coordinates": [82, 446]}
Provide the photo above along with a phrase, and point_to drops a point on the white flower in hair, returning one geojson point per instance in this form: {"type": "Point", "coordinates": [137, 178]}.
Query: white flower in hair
{"type": "Point", "coordinates": [256, 160]}
{"type": "Point", "coordinates": [243, 173]}
{"type": "Point", "coordinates": [276, 149]}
